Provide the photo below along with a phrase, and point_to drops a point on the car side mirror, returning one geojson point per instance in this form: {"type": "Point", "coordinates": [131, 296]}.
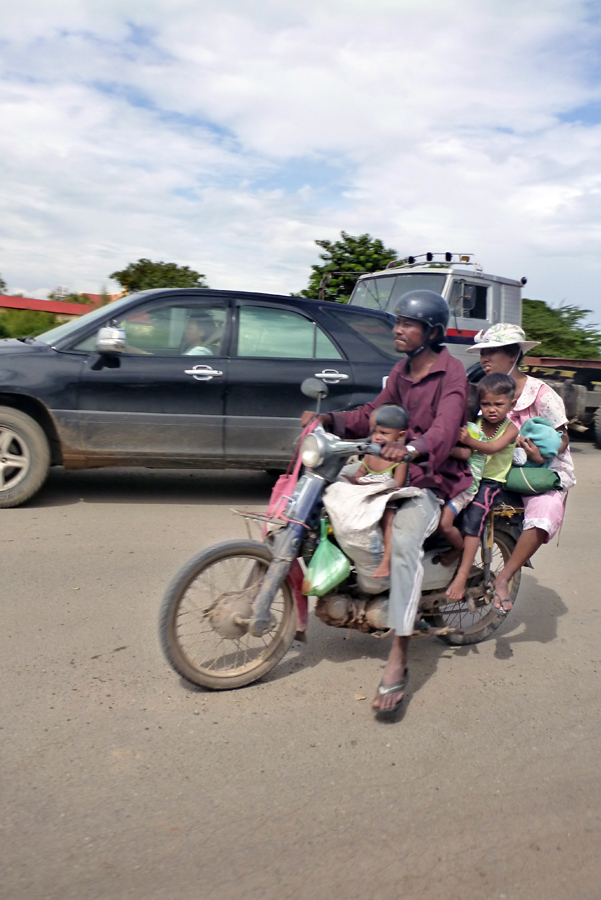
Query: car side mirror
{"type": "Point", "coordinates": [313, 388]}
{"type": "Point", "coordinates": [111, 339]}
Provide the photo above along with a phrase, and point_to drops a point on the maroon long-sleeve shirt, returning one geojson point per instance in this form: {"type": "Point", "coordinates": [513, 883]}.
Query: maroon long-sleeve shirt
{"type": "Point", "coordinates": [437, 409]}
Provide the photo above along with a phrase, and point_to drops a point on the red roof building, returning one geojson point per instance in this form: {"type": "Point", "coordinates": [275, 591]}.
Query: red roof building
{"type": "Point", "coordinates": [51, 306]}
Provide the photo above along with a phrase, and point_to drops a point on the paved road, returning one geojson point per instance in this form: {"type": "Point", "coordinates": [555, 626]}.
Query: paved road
{"type": "Point", "coordinates": [120, 781]}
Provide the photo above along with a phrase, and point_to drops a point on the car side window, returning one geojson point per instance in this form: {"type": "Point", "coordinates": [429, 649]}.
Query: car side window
{"type": "Point", "coordinates": [373, 329]}
{"type": "Point", "coordinates": [170, 330]}
{"type": "Point", "coordinates": [280, 333]}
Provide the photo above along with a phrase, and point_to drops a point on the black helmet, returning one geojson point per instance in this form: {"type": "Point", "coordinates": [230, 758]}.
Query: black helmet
{"type": "Point", "coordinates": [426, 307]}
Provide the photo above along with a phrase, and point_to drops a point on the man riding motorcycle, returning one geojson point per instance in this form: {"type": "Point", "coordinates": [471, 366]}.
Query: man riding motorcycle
{"type": "Point", "coordinates": [432, 386]}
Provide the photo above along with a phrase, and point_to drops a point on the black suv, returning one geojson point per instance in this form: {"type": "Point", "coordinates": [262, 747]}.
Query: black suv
{"type": "Point", "coordinates": [180, 378]}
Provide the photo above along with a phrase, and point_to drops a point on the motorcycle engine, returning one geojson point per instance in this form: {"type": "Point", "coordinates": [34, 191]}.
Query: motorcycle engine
{"type": "Point", "coordinates": [344, 611]}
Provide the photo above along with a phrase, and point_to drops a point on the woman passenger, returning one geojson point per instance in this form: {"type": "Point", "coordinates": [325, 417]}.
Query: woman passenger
{"type": "Point", "coordinates": [501, 349]}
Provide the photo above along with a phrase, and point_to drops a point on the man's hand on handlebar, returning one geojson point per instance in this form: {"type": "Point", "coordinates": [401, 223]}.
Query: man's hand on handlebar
{"type": "Point", "coordinates": [308, 415]}
{"type": "Point", "coordinates": [396, 452]}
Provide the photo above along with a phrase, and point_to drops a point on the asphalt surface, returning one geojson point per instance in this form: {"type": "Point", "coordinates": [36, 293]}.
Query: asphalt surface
{"type": "Point", "coordinates": [118, 780]}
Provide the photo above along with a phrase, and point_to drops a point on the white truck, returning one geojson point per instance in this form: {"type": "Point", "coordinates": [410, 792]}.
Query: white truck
{"type": "Point", "coordinates": [478, 300]}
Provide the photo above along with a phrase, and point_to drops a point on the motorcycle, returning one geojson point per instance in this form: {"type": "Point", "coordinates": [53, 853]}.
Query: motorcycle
{"type": "Point", "coordinates": [232, 612]}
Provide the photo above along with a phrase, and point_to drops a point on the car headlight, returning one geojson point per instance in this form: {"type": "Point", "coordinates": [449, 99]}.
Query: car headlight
{"type": "Point", "coordinates": [311, 452]}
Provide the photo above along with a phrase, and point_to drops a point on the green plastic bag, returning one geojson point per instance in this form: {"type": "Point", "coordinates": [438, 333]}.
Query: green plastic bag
{"type": "Point", "coordinates": [328, 567]}
{"type": "Point", "coordinates": [532, 480]}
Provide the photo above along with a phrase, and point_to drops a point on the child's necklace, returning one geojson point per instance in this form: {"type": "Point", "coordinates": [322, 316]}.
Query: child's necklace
{"type": "Point", "coordinates": [493, 436]}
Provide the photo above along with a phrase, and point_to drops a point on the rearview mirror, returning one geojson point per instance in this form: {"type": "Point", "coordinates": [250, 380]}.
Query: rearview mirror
{"type": "Point", "coordinates": [314, 388]}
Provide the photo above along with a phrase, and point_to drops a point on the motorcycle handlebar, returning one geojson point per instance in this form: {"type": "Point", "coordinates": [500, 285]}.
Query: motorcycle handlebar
{"type": "Point", "coordinates": [376, 449]}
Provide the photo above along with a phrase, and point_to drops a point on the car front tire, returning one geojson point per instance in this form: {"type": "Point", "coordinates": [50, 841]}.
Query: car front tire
{"type": "Point", "coordinates": [24, 457]}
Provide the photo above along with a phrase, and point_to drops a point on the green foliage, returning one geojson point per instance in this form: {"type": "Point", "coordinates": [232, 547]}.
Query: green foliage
{"type": "Point", "coordinates": [16, 323]}
{"type": "Point", "coordinates": [2, 285]}
{"type": "Point", "coordinates": [145, 275]}
{"type": "Point", "coordinates": [560, 330]}
{"type": "Point", "coordinates": [352, 255]}
{"type": "Point", "coordinates": [105, 297]}
{"type": "Point", "coordinates": [70, 298]}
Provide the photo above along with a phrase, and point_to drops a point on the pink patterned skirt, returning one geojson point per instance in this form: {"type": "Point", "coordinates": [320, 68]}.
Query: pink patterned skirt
{"type": "Point", "coordinates": [545, 511]}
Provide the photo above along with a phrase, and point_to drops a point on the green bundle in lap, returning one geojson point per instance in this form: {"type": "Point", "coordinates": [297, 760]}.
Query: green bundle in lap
{"type": "Point", "coordinates": [531, 480]}
{"type": "Point", "coordinates": [328, 567]}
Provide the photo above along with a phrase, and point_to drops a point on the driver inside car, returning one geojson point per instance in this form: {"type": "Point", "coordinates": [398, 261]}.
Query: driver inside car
{"type": "Point", "coordinates": [199, 331]}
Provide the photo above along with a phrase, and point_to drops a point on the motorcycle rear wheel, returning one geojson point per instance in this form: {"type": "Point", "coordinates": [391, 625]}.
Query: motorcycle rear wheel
{"type": "Point", "coordinates": [202, 621]}
{"type": "Point", "coordinates": [479, 625]}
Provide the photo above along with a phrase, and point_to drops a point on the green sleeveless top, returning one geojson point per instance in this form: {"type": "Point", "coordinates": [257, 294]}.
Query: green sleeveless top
{"type": "Point", "coordinates": [497, 465]}
{"type": "Point", "coordinates": [477, 460]}
{"type": "Point", "coordinates": [387, 471]}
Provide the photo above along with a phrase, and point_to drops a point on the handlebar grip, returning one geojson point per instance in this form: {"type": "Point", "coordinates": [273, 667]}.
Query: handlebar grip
{"type": "Point", "coordinates": [375, 450]}
{"type": "Point", "coordinates": [372, 449]}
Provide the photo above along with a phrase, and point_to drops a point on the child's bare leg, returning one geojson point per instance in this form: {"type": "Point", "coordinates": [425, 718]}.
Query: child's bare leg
{"type": "Point", "coordinates": [452, 534]}
{"type": "Point", "coordinates": [456, 589]}
{"type": "Point", "coordinates": [528, 543]}
{"type": "Point", "coordinates": [383, 570]}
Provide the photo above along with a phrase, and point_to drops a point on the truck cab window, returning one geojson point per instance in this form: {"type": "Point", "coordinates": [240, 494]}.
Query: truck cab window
{"type": "Point", "coordinates": [469, 301]}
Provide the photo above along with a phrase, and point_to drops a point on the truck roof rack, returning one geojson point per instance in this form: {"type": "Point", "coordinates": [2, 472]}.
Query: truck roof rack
{"type": "Point", "coordinates": [437, 260]}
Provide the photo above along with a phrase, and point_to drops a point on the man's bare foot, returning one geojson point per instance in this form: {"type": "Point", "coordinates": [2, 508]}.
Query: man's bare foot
{"type": "Point", "coordinates": [395, 673]}
{"type": "Point", "coordinates": [456, 589]}
{"type": "Point", "coordinates": [502, 599]}
{"type": "Point", "coordinates": [449, 557]}
{"type": "Point", "coordinates": [383, 570]}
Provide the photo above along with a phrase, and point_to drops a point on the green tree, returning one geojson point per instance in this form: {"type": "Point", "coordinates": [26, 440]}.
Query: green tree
{"type": "Point", "coordinates": [560, 330]}
{"type": "Point", "coordinates": [105, 297]}
{"type": "Point", "coordinates": [70, 298]}
{"type": "Point", "coordinates": [18, 323]}
{"type": "Point", "coordinates": [344, 261]}
{"type": "Point", "coordinates": [2, 285]}
{"type": "Point", "coordinates": [145, 274]}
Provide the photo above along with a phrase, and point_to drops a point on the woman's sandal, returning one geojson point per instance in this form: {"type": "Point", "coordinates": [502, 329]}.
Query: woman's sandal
{"type": "Point", "coordinates": [385, 689]}
{"type": "Point", "coordinates": [500, 610]}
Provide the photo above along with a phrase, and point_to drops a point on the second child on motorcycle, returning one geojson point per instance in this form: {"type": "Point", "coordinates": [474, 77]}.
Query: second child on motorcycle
{"type": "Point", "coordinates": [432, 386]}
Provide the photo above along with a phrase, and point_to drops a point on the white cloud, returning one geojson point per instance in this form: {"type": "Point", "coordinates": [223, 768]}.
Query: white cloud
{"type": "Point", "coordinates": [229, 140]}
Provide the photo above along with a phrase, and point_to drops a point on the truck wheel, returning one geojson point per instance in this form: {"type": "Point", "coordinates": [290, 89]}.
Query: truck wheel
{"type": "Point", "coordinates": [24, 457]}
{"type": "Point", "coordinates": [597, 427]}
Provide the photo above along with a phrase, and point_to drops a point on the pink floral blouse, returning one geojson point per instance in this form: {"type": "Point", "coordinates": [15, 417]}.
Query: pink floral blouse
{"type": "Point", "coordinates": [538, 399]}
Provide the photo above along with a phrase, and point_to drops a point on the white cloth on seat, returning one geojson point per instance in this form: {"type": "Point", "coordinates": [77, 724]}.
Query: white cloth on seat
{"type": "Point", "coordinates": [355, 512]}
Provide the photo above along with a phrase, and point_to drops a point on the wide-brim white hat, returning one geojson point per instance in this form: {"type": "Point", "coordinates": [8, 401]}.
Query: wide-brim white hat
{"type": "Point", "coordinates": [501, 335]}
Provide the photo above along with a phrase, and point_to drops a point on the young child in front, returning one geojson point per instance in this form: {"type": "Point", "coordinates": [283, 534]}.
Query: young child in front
{"type": "Point", "coordinates": [387, 423]}
{"type": "Point", "coordinates": [496, 393]}
{"type": "Point", "coordinates": [475, 460]}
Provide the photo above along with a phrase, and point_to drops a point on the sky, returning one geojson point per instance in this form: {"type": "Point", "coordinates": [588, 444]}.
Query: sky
{"type": "Point", "coordinates": [229, 136]}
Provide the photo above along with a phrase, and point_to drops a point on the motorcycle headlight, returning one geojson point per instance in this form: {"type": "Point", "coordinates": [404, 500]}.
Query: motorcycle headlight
{"type": "Point", "coordinates": [311, 452]}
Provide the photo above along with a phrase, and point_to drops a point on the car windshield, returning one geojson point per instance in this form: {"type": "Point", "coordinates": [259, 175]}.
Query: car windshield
{"type": "Point", "coordinates": [57, 334]}
{"type": "Point", "coordinates": [383, 292]}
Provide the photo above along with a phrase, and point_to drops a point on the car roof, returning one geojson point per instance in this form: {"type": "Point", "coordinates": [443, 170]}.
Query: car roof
{"type": "Point", "coordinates": [307, 303]}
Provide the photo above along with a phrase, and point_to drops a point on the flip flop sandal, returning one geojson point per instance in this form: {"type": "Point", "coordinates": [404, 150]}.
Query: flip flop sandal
{"type": "Point", "coordinates": [500, 610]}
{"type": "Point", "coordinates": [385, 689]}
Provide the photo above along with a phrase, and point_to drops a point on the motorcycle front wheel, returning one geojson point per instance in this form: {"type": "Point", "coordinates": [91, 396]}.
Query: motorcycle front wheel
{"type": "Point", "coordinates": [478, 625]}
{"type": "Point", "coordinates": [205, 613]}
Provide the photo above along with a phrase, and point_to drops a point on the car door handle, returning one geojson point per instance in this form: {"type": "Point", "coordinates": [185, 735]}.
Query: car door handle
{"type": "Point", "coordinates": [203, 373]}
{"type": "Point", "coordinates": [331, 376]}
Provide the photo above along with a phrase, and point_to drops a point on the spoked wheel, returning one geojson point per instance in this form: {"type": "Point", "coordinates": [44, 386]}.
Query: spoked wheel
{"type": "Point", "coordinates": [478, 625]}
{"type": "Point", "coordinates": [205, 615]}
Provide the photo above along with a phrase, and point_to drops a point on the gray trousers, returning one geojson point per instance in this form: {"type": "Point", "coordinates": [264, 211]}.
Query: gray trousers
{"type": "Point", "coordinates": [416, 520]}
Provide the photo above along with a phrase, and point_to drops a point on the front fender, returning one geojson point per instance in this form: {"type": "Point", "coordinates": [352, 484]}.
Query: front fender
{"type": "Point", "coordinates": [295, 580]}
